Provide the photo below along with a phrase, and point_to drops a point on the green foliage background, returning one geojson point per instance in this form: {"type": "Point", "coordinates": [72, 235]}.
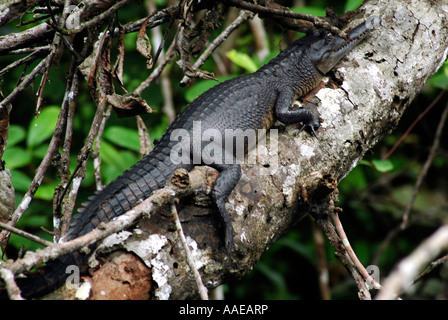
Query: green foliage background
{"type": "Point", "coordinates": [373, 195]}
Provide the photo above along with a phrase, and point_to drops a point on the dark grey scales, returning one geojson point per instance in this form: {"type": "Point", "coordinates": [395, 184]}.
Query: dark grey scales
{"type": "Point", "coordinates": [248, 102]}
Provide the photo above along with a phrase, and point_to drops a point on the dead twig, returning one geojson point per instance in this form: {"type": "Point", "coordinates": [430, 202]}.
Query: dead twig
{"type": "Point", "coordinates": [340, 230]}
{"type": "Point", "coordinates": [12, 42]}
{"type": "Point", "coordinates": [43, 81]}
{"type": "Point", "coordinates": [157, 71]}
{"type": "Point", "coordinates": [332, 226]}
{"type": "Point", "coordinates": [430, 268]}
{"type": "Point", "coordinates": [11, 286]}
{"type": "Point", "coordinates": [203, 293]}
{"type": "Point", "coordinates": [322, 266]}
{"type": "Point", "coordinates": [420, 116]}
{"type": "Point", "coordinates": [24, 234]}
{"type": "Point", "coordinates": [41, 170]}
{"type": "Point", "coordinates": [157, 19]}
{"type": "Point", "coordinates": [96, 152]}
{"type": "Point", "coordinates": [66, 205]}
{"type": "Point", "coordinates": [401, 278]}
{"type": "Point", "coordinates": [25, 82]}
{"type": "Point", "coordinates": [341, 252]}
{"type": "Point", "coordinates": [159, 41]}
{"type": "Point", "coordinates": [34, 54]}
{"type": "Point", "coordinates": [94, 21]}
{"type": "Point", "coordinates": [426, 166]}
{"type": "Point", "coordinates": [316, 22]}
{"type": "Point", "coordinates": [243, 16]}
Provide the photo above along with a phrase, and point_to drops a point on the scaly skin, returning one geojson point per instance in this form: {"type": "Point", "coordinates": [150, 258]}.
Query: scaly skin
{"type": "Point", "coordinates": [248, 102]}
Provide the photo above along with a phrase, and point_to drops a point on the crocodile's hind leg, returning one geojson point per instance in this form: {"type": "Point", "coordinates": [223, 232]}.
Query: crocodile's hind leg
{"type": "Point", "coordinates": [229, 175]}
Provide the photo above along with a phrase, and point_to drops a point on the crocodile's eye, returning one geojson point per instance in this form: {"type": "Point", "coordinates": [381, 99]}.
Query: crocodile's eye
{"type": "Point", "coordinates": [329, 36]}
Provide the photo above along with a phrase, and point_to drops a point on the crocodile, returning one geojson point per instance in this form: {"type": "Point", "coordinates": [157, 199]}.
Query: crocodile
{"type": "Point", "coordinates": [251, 101]}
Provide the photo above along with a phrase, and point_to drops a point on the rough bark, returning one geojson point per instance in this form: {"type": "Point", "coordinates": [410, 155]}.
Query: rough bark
{"type": "Point", "coordinates": [6, 189]}
{"type": "Point", "coordinates": [11, 9]}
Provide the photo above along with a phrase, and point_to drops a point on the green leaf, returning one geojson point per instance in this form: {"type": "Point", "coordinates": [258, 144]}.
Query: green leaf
{"type": "Point", "coordinates": [383, 165]}
{"type": "Point", "coordinates": [20, 181]}
{"type": "Point", "coordinates": [243, 60]}
{"type": "Point", "coordinates": [42, 127]}
{"type": "Point", "coordinates": [33, 221]}
{"type": "Point", "coordinates": [202, 86]}
{"type": "Point", "coordinates": [123, 137]}
{"type": "Point", "coordinates": [110, 155]}
{"type": "Point", "coordinates": [130, 41]}
{"type": "Point", "coordinates": [439, 80]}
{"type": "Point", "coordinates": [16, 135]}
{"type": "Point", "coordinates": [19, 242]}
{"type": "Point", "coordinates": [16, 157]}
{"type": "Point", "coordinates": [45, 192]}
{"type": "Point", "coordinates": [158, 130]}
{"type": "Point", "coordinates": [351, 5]}
{"type": "Point", "coordinates": [379, 165]}
{"type": "Point", "coordinates": [355, 180]}
{"type": "Point", "coordinates": [113, 166]}
{"type": "Point", "coordinates": [199, 88]}
{"type": "Point", "coordinates": [40, 151]}
{"type": "Point", "coordinates": [120, 160]}
{"type": "Point", "coordinates": [315, 11]}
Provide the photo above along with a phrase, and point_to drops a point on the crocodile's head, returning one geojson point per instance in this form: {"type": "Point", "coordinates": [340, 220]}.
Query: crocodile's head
{"type": "Point", "coordinates": [326, 49]}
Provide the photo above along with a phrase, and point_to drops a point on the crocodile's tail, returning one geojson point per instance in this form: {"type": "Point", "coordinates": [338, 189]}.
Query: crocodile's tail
{"type": "Point", "coordinates": [55, 273]}
{"type": "Point", "coordinates": [137, 183]}
{"type": "Point", "coordinates": [119, 196]}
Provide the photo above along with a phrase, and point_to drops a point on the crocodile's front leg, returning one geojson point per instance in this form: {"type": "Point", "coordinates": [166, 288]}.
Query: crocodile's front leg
{"type": "Point", "coordinates": [285, 115]}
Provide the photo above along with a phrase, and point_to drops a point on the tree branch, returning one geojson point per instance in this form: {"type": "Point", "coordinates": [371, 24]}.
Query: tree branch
{"type": "Point", "coordinates": [276, 10]}
{"type": "Point", "coordinates": [243, 16]}
{"type": "Point", "coordinates": [405, 272]}
{"type": "Point", "coordinates": [181, 184]}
